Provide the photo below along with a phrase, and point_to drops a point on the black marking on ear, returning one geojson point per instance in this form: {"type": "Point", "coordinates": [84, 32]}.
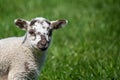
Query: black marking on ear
{"type": "Point", "coordinates": [21, 23]}
{"type": "Point", "coordinates": [58, 24]}
{"type": "Point", "coordinates": [33, 22]}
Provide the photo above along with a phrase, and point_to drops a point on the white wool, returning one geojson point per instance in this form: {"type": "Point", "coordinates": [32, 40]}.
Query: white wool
{"type": "Point", "coordinates": [15, 54]}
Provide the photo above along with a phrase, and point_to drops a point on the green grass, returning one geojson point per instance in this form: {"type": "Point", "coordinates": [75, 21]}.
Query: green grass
{"type": "Point", "coordinates": [88, 48]}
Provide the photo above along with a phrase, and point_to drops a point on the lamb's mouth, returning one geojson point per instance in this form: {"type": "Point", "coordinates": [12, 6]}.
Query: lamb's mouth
{"type": "Point", "coordinates": [43, 49]}
{"type": "Point", "coordinates": [42, 46]}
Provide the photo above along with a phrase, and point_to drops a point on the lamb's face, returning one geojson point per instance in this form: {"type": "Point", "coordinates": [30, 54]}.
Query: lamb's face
{"type": "Point", "coordinates": [39, 31]}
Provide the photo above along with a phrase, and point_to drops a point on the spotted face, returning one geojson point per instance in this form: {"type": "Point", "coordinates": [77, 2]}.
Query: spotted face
{"type": "Point", "coordinates": [39, 31]}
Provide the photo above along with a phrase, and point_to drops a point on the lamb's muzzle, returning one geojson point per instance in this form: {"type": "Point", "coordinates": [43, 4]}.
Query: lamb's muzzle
{"type": "Point", "coordinates": [43, 43]}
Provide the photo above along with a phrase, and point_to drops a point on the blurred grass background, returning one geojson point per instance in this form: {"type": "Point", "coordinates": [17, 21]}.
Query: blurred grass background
{"type": "Point", "coordinates": [88, 48]}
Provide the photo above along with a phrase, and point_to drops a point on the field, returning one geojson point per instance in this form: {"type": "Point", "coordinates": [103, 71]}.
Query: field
{"type": "Point", "coordinates": [88, 48]}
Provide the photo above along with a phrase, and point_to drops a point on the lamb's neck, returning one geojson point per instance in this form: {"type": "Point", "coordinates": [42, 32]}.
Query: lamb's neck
{"type": "Point", "coordinates": [38, 54]}
{"type": "Point", "coordinates": [25, 42]}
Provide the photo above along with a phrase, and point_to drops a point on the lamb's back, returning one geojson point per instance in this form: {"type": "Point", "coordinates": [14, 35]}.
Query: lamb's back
{"type": "Point", "coordinates": [8, 45]}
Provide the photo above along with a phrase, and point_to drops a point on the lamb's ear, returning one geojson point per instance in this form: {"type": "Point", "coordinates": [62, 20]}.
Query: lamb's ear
{"type": "Point", "coordinates": [21, 23]}
{"type": "Point", "coordinates": [58, 24]}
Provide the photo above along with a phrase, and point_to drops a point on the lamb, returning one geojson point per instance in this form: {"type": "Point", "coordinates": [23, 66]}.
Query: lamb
{"type": "Point", "coordinates": [21, 58]}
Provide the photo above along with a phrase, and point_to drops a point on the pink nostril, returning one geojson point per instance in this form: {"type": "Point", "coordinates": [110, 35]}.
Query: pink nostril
{"type": "Point", "coordinates": [43, 42]}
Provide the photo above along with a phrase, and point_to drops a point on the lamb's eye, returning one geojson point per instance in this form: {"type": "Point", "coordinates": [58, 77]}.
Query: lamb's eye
{"type": "Point", "coordinates": [50, 33]}
{"type": "Point", "coordinates": [32, 31]}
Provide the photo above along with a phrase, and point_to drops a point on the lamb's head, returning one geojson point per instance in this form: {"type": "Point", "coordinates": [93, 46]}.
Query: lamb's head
{"type": "Point", "coordinates": [39, 31]}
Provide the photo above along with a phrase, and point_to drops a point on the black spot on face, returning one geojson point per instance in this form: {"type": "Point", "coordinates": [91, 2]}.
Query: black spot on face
{"type": "Point", "coordinates": [48, 28]}
{"type": "Point", "coordinates": [32, 31]}
{"type": "Point", "coordinates": [47, 22]}
{"type": "Point", "coordinates": [33, 22]}
{"type": "Point", "coordinates": [39, 33]}
{"type": "Point", "coordinates": [43, 27]}
{"type": "Point", "coordinates": [50, 33]}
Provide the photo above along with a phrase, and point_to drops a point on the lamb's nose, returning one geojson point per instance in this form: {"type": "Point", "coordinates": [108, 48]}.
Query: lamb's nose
{"type": "Point", "coordinates": [43, 42]}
